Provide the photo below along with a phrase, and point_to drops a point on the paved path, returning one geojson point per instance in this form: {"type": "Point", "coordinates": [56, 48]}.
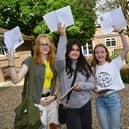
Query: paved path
{"type": "Point", "coordinates": [10, 97]}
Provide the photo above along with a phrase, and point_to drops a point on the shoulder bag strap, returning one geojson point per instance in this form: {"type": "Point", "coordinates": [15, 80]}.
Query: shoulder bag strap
{"type": "Point", "coordinates": [74, 78]}
{"type": "Point", "coordinates": [31, 79]}
{"type": "Point", "coordinates": [28, 81]}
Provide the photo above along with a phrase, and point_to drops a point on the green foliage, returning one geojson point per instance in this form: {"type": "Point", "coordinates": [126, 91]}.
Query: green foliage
{"type": "Point", "coordinates": [28, 15]}
{"type": "Point", "coordinates": [127, 58]}
{"type": "Point", "coordinates": [125, 74]}
{"type": "Point", "coordinates": [127, 61]}
{"type": "Point", "coordinates": [125, 70]}
{"type": "Point", "coordinates": [114, 55]}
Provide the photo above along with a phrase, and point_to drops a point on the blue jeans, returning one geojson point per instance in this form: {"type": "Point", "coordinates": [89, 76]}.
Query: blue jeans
{"type": "Point", "coordinates": [108, 111]}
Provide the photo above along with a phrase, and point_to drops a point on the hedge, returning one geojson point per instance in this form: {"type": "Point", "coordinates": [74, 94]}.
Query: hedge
{"type": "Point", "coordinates": [125, 73]}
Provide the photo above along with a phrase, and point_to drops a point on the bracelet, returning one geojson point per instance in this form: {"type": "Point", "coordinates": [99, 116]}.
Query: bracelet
{"type": "Point", "coordinates": [120, 32]}
{"type": "Point", "coordinates": [55, 96]}
{"type": "Point", "coordinates": [10, 65]}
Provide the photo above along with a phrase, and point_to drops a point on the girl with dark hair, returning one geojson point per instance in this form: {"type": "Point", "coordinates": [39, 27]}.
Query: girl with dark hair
{"type": "Point", "coordinates": [70, 61]}
{"type": "Point", "coordinates": [108, 83]}
{"type": "Point", "coordinates": [82, 64]}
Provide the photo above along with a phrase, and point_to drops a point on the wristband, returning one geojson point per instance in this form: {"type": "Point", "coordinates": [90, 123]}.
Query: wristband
{"type": "Point", "coordinates": [120, 32]}
{"type": "Point", "coordinates": [10, 65]}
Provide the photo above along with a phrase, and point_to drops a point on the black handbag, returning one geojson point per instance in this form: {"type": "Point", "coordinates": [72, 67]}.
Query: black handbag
{"type": "Point", "coordinates": [62, 110]}
{"type": "Point", "coordinates": [62, 113]}
{"type": "Point", "coordinates": [27, 115]}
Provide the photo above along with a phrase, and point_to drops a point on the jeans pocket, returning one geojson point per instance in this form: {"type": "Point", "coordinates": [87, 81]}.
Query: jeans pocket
{"type": "Point", "coordinates": [114, 99]}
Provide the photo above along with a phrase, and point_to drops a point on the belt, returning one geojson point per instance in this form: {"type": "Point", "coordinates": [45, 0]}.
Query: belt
{"type": "Point", "coordinates": [106, 92]}
{"type": "Point", "coordinates": [46, 94]}
{"type": "Point", "coordinates": [109, 93]}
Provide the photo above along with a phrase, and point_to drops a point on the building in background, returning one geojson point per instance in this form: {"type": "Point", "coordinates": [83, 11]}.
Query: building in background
{"type": "Point", "coordinates": [112, 41]}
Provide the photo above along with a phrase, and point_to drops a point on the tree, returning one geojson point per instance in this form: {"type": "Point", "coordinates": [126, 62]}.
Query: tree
{"type": "Point", "coordinates": [28, 15]}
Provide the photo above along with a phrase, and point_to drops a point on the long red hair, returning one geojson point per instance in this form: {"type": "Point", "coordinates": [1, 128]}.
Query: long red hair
{"type": "Point", "coordinates": [51, 54]}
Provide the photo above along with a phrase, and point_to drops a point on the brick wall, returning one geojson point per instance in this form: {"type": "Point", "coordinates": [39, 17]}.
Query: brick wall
{"type": "Point", "coordinates": [100, 37]}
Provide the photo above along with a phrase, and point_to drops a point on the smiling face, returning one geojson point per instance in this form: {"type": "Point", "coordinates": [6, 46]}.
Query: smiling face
{"type": "Point", "coordinates": [44, 45]}
{"type": "Point", "coordinates": [100, 54]}
{"type": "Point", "coordinates": [74, 53]}
{"type": "Point", "coordinates": [44, 49]}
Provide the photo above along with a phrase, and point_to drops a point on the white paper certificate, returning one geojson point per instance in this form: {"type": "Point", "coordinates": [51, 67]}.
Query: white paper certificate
{"type": "Point", "coordinates": [13, 38]}
{"type": "Point", "coordinates": [63, 15]}
{"type": "Point", "coordinates": [113, 17]}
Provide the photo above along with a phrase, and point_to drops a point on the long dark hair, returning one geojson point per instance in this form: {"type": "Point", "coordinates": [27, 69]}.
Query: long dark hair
{"type": "Point", "coordinates": [81, 64]}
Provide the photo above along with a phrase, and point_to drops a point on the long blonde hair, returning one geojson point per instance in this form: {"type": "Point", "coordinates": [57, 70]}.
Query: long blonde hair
{"type": "Point", "coordinates": [51, 54]}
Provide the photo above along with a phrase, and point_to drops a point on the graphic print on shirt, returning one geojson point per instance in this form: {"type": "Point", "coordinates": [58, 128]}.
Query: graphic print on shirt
{"type": "Point", "coordinates": [103, 79]}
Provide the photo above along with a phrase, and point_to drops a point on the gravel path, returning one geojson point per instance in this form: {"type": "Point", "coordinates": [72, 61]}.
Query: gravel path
{"type": "Point", "coordinates": [10, 97]}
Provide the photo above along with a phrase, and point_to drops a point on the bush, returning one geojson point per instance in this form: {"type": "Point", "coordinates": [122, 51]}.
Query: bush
{"type": "Point", "coordinates": [116, 54]}
{"type": "Point", "coordinates": [127, 58]}
{"type": "Point", "coordinates": [125, 73]}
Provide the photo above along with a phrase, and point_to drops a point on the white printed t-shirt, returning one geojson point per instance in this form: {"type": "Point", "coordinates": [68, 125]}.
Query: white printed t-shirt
{"type": "Point", "coordinates": [108, 75]}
